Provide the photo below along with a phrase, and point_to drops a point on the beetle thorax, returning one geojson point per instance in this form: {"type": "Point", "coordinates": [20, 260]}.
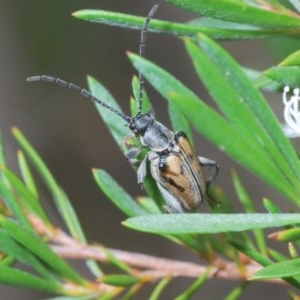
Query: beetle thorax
{"type": "Point", "coordinates": [152, 134]}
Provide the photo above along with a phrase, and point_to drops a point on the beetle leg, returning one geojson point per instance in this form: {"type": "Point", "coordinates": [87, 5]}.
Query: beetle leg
{"type": "Point", "coordinates": [142, 170]}
{"type": "Point", "coordinates": [206, 162]}
{"type": "Point", "coordinates": [126, 141]}
{"type": "Point", "coordinates": [133, 150]}
{"type": "Point", "coordinates": [133, 153]}
{"type": "Point", "coordinates": [172, 203]}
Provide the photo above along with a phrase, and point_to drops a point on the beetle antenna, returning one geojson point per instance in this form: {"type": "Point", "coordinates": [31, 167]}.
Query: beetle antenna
{"type": "Point", "coordinates": [79, 90]}
{"type": "Point", "coordinates": [142, 54]}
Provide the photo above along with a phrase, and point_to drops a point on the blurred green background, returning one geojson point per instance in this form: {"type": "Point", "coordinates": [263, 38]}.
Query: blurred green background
{"type": "Point", "coordinates": [41, 37]}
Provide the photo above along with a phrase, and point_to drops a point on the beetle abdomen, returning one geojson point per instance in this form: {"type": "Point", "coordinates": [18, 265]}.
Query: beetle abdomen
{"type": "Point", "coordinates": [179, 176]}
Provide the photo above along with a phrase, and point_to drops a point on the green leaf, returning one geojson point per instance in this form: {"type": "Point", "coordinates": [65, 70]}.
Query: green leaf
{"type": "Point", "coordinates": [240, 12]}
{"type": "Point", "coordinates": [223, 205]}
{"type": "Point", "coordinates": [278, 256]}
{"type": "Point", "coordinates": [249, 252]}
{"type": "Point", "coordinates": [11, 202]}
{"type": "Point", "coordinates": [9, 246]}
{"type": "Point", "coordinates": [28, 199]}
{"type": "Point", "coordinates": [120, 280]}
{"type": "Point", "coordinates": [7, 261]}
{"type": "Point", "coordinates": [26, 174]}
{"type": "Point", "coordinates": [293, 251]}
{"type": "Point", "coordinates": [93, 267]}
{"type": "Point", "coordinates": [287, 235]}
{"type": "Point", "coordinates": [61, 200]}
{"type": "Point", "coordinates": [224, 30]}
{"type": "Point", "coordinates": [158, 290]}
{"type": "Point", "coordinates": [117, 194]}
{"type": "Point", "coordinates": [279, 270]}
{"type": "Point", "coordinates": [40, 249]}
{"type": "Point", "coordinates": [149, 205]}
{"type": "Point", "coordinates": [230, 26]}
{"type": "Point", "coordinates": [130, 207]}
{"type": "Point", "coordinates": [211, 124]}
{"type": "Point", "coordinates": [285, 75]}
{"type": "Point", "coordinates": [193, 289]}
{"type": "Point", "coordinates": [237, 291]}
{"type": "Point", "coordinates": [179, 122]}
{"type": "Point", "coordinates": [208, 223]}
{"type": "Point", "coordinates": [235, 96]}
{"type": "Point", "coordinates": [242, 194]}
{"type": "Point", "coordinates": [271, 207]}
{"type": "Point", "coordinates": [116, 262]}
{"type": "Point", "coordinates": [114, 123]}
{"type": "Point", "coordinates": [292, 60]}
{"type": "Point", "coordinates": [249, 208]}
{"type": "Point", "coordinates": [19, 278]}
{"type": "Point", "coordinates": [257, 257]}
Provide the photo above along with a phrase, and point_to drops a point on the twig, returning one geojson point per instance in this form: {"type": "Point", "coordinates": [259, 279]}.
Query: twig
{"type": "Point", "coordinates": [148, 265]}
{"type": "Point", "coordinates": [160, 267]}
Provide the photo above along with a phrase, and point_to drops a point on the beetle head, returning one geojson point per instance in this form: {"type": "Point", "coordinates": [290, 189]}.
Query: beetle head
{"type": "Point", "coordinates": [140, 123]}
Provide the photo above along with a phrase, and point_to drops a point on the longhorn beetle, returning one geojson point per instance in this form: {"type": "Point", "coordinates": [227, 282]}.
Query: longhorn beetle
{"type": "Point", "coordinates": [174, 164]}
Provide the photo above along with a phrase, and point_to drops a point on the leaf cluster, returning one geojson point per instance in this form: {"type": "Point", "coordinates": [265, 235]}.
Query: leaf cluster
{"type": "Point", "coordinates": [243, 126]}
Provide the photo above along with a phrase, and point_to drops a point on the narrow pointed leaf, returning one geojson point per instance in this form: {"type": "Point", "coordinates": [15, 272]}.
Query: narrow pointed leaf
{"type": "Point", "coordinates": [117, 194]}
{"type": "Point", "coordinates": [271, 207]}
{"type": "Point", "coordinates": [179, 122]}
{"type": "Point", "coordinates": [292, 234]}
{"type": "Point", "coordinates": [257, 257]}
{"type": "Point", "coordinates": [254, 101]}
{"type": "Point", "coordinates": [277, 256]}
{"type": "Point", "coordinates": [117, 262]}
{"type": "Point", "coordinates": [237, 292]}
{"type": "Point", "coordinates": [40, 249]}
{"type": "Point", "coordinates": [292, 60]}
{"type": "Point", "coordinates": [120, 280]}
{"type": "Point", "coordinates": [149, 205]}
{"type": "Point", "coordinates": [28, 200]}
{"type": "Point", "coordinates": [26, 174]}
{"type": "Point", "coordinates": [9, 246]}
{"type": "Point", "coordinates": [130, 207]}
{"type": "Point", "coordinates": [212, 124]}
{"type": "Point", "coordinates": [9, 199]}
{"type": "Point", "coordinates": [208, 223]}
{"type": "Point", "coordinates": [227, 31]}
{"type": "Point", "coordinates": [244, 106]}
{"type": "Point", "coordinates": [114, 122]}
{"type": "Point", "coordinates": [158, 290]}
{"type": "Point", "coordinates": [260, 259]}
{"type": "Point", "coordinates": [240, 12]}
{"type": "Point", "coordinates": [293, 251]}
{"type": "Point", "coordinates": [249, 208]}
{"type": "Point", "coordinates": [279, 270]}
{"type": "Point", "coordinates": [193, 289]}
{"type": "Point", "coordinates": [61, 200]}
{"type": "Point", "coordinates": [285, 75]}
{"type": "Point", "coordinates": [23, 279]}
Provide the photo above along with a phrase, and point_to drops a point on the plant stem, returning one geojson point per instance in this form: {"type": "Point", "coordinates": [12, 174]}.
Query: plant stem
{"type": "Point", "coordinates": [153, 267]}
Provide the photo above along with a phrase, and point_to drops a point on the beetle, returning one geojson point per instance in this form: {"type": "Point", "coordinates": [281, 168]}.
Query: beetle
{"type": "Point", "coordinates": [174, 165]}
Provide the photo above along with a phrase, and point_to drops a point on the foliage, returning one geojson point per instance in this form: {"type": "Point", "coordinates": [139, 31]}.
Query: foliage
{"type": "Point", "coordinates": [244, 127]}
